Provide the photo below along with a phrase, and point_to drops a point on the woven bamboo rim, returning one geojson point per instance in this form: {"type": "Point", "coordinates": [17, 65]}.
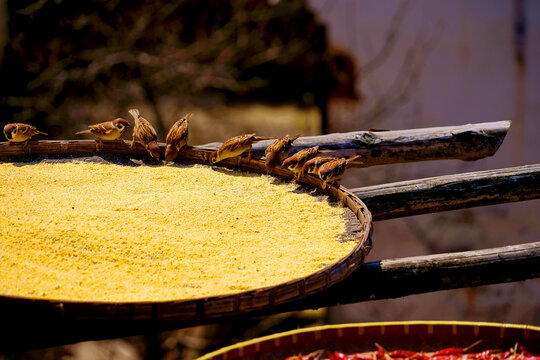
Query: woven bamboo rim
{"type": "Point", "coordinates": [405, 335]}
{"type": "Point", "coordinates": [202, 308]}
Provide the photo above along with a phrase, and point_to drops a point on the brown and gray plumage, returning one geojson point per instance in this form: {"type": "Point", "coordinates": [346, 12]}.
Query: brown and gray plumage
{"type": "Point", "coordinates": [278, 151]}
{"type": "Point", "coordinates": [177, 137]}
{"type": "Point", "coordinates": [109, 130]}
{"type": "Point", "coordinates": [236, 146]}
{"type": "Point", "coordinates": [312, 166]}
{"type": "Point", "coordinates": [144, 134]}
{"type": "Point", "coordinates": [17, 133]}
{"type": "Point", "coordinates": [296, 162]}
{"type": "Point", "coordinates": [331, 171]}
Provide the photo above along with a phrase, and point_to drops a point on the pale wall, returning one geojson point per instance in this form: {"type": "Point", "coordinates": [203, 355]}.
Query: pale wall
{"type": "Point", "coordinates": [470, 75]}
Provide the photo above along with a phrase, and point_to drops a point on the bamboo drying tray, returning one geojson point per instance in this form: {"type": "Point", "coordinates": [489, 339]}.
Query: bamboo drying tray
{"type": "Point", "coordinates": [32, 324]}
{"type": "Point", "coordinates": [410, 335]}
{"type": "Point", "coordinates": [201, 308]}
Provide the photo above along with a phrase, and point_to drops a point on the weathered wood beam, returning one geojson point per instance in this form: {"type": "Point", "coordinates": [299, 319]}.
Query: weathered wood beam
{"type": "Point", "coordinates": [394, 278]}
{"type": "Point", "coordinates": [27, 325]}
{"type": "Point", "coordinates": [466, 142]}
{"type": "Point", "coordinates": [450, 192]}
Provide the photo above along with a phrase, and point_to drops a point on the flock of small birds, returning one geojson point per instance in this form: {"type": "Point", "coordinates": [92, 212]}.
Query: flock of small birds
{"type": "Point", "coordinates": [307, 161]}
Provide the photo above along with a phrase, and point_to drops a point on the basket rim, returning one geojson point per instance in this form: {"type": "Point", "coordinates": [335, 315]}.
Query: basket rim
{"type": "Point", "coordinates": [205, 307]}
{"type": "Point", "coordinates": [284, 334]}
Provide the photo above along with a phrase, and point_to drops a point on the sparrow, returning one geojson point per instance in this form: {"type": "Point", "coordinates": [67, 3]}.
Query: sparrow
{"type": "Point", "coordinates": [17, 132]}
{"type": "Point", "coordinates": [109, 130]}
{"type": "Point", "coordinates": [331, 171]}
{"type": "Point", "coordinates": [236, 146]}
{"type": "Point", "coordinates": [144, 134]}
{"type": "Point", "coordinates": [177, 137]}
{"type": "Point", "coordinates": [295, 162]}
{"type": "Point", "coordinates": [278, 151]}
{"type": "Point", "coordinates": [312, 165]}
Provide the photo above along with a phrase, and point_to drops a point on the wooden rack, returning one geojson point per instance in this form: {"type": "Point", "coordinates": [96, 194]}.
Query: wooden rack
{"type": "Point", "coordinates": [28, 324]}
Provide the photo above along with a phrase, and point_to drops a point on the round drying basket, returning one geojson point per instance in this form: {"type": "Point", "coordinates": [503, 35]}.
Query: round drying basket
{"type": "Point", "coordinates": [185, 310]}
{"type": "Point", "coordinates": [417, 336]}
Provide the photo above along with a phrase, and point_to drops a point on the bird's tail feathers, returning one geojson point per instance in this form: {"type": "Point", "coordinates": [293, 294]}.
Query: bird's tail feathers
{"type": "Point", "coordinates": [134, 113]}
{"type": "Point", "coordinates": [260, 138]}
{"type": "Point", "coordinates": [352, 158]}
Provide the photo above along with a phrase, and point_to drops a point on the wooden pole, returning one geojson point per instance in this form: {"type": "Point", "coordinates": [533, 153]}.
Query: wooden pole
{"type": "Point", "coordinates": [394, 278]}
{"type": "Point", "coordinates": [28, 325]}
{"type": "Point", "coordinates": [450, 192]}
{"type": "Point", "coordinates": [466, 142]}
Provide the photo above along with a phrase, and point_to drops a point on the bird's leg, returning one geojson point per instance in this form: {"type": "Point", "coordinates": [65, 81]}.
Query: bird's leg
{"type": "Point", "coordinates": [249, 155]}
{"type": "Point", "coordinates": [99, 145]}
{"type": "Point", "coordinates": [132, 146]}
{"type": "Point", "coordinates": [299, 175]}
{"type": "Point", "coordinates": [26, 146]}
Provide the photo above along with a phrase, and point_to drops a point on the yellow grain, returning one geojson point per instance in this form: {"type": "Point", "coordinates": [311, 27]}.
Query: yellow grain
{"type": "Point", "coordinates": [102, 232]}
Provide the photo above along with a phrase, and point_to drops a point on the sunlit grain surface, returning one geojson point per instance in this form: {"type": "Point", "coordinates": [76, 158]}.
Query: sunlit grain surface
{"type": "Point", "coordinates": [104, 232]}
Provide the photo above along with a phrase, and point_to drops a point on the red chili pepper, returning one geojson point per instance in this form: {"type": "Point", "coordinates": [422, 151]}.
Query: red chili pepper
{"type": "Point", "coordinates": [440, 357]}
{"type": "Point", "coordinates": [421, 356]}
{"type": "Point", "coordinates": [295, 357]}
{"type": "Point", "coordinates": [341, 356]}
{"type": "Point", "coordinates": [402, 353]}
{"type": "Point", "coordinates": [359, 356]}
{"type": "Point", "coordinates": [380, 353]}
{"type": "Point", "coordinates": [448, 351]}
{"type": "Point", "coordinates": [484, 355]}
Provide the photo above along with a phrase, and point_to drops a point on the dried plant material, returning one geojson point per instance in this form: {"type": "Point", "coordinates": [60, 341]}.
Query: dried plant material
{"type": "Point", "coordinates": [102, 232]}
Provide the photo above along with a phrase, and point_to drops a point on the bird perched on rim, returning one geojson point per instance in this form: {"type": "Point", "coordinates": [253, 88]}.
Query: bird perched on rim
{"type": "Point", "coordinates": [108, 131]}
{"type": "Point", "coordinates": [330, 172]}
{"type": "Point", "coordinates": [144, 134]}
{"type": "Point", "coordinates": [295, 162]}
{"type": "Point", "coordinates": [177, 137]}
{"type": "Point", "coordinates": [312, 165]}
{"type": "Point", "coordinates": [17, 132]}
{"type": "Point", "coordinates": [236, 146]}
{"type": "Point", "coordinates": [278, 151]}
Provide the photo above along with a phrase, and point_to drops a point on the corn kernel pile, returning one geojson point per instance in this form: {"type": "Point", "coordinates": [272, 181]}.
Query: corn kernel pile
{"type": "Point", "coordinates": [104, 232]}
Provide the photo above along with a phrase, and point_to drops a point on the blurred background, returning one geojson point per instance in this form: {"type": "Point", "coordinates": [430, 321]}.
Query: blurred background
{"type": "Point", "coordinates": [297, 66]}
